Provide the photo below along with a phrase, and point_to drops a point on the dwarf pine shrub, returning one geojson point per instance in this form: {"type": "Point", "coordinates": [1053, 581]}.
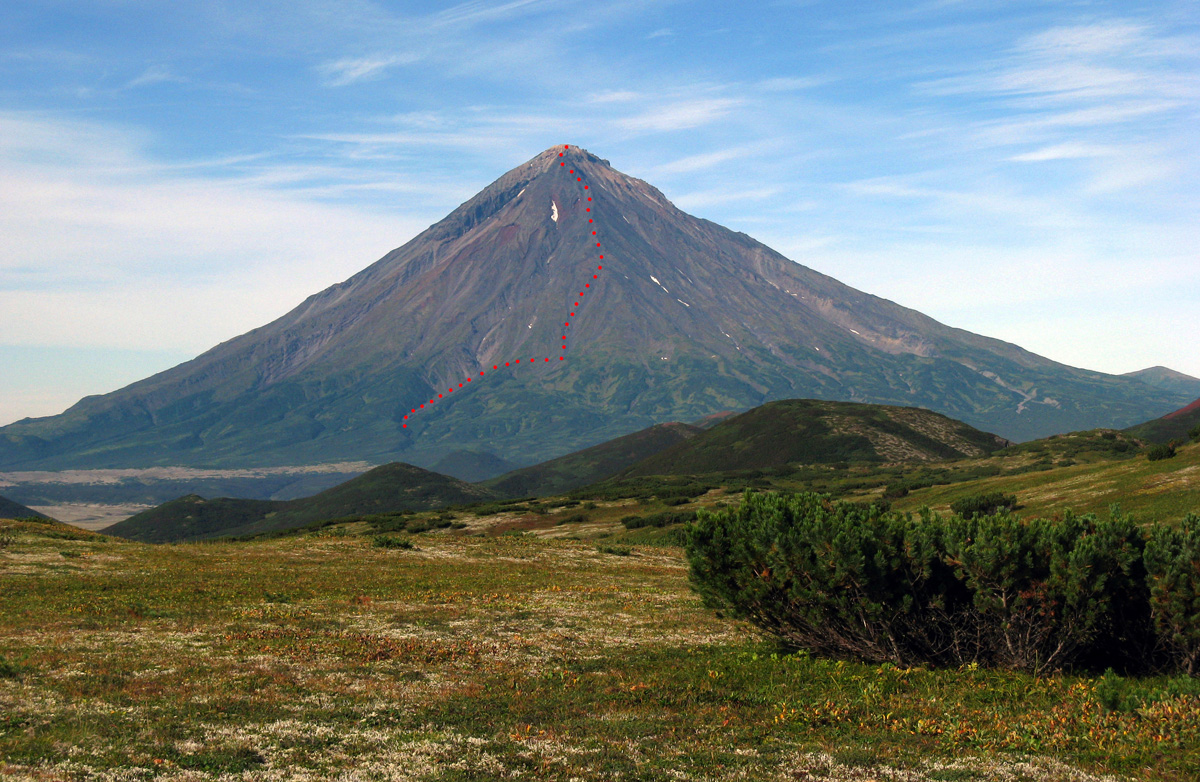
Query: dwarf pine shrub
{"type": "Point", "coordinates": [1172, 561]}
{"type": "Point", "coordinates": [854, 581]}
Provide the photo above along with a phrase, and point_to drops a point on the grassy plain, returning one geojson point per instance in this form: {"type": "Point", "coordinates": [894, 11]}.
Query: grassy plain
{"type": "Point", "coordinates": [470, 657]}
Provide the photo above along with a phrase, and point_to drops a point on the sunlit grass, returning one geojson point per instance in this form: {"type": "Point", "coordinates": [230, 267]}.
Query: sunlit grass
{"type": "Point", "coordinates": [494, 657]}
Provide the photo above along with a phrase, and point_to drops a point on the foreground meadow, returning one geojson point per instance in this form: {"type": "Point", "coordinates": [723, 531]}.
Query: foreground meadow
{"type": "Point", "coordinates": [475, 658]}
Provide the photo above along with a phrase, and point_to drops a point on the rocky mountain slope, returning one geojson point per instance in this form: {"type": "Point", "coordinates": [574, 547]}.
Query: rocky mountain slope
{"type": "Point", "coordinates": [687, 318]}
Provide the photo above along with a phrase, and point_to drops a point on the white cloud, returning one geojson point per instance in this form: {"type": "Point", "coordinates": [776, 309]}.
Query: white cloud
{"type": "Point", "coordinates": [155, 74]}
{"type": "Point", "coordinates": [353, 69]}
{"type": "Point", "coordinates": [1065, 151]}
{"type": "Point", "coordinates": [704, 160]}
{"type": "Point", "coordinates": [129, 254]}
{"type": "Point", "coordinates": [717, 196]}
{"type": "Point", "coordinates": [680, 115]}
{"type": "Point", "coordinates": [791, 84]}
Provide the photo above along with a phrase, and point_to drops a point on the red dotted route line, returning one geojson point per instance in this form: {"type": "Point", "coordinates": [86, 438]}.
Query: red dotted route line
{"type": "Point", "coordinates": [566, 324]}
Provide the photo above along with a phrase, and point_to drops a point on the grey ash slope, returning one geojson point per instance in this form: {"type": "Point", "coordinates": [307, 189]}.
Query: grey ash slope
{"type": "Point", "coordinates": [687, 319]}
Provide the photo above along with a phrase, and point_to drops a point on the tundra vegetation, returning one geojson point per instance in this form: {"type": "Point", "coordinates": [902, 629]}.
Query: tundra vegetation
{"type": "Point", "coordinates": [511, 647]}
{"type": "Point", "coordinates": [513, 639]}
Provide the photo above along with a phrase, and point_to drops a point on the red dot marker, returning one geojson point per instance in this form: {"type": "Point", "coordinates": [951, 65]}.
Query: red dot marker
{"type": "Point", "coordinates": [439, 396]}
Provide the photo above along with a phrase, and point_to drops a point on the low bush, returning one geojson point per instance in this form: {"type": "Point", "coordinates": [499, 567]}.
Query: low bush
{"type": "Point", "coordinates": [855, 581]}
{"type": "Point", "coordinates": [664, 519]}
{"type": "Point", "coordinates": [574, 518]}
{"type": "Point", "coordinates": [1172, 562]}
{"type": "Point", "coordinates": [984, 504]}
{"type": "Point", "coordinates": [620, 551]}
{"type": "Point", "coordinates": [390, 542]}
{"type": "Point", "coordinates": [1159, 452]}
{"type": "Point", "coordinates": [1194, 433]}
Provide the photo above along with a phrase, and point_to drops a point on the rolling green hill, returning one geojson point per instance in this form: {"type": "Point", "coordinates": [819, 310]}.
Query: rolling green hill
{"type": "Point", "coordinates": [1084, 482]}
{"type": "Point", "coordinates": [809, 431]}
{"type": "Point", "coordinates": [15, 510]}
{"type": "Point", "coordinates": [386, 489]}
{"type": "Point", "coordinates": [591, 464]}
{"type": "Point", "coordinates": [1172, 426]}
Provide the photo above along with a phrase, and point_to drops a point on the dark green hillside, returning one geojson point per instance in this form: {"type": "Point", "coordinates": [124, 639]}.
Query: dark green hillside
{"type": "Point", "coordinates": [808, 431]}
{"type": "Point", "coordinates": [1172, 426]}
{"type": "Point", "coordinates": [472, 466]}
{"type": "Point", "coordinates": [386, 489]}
{"type": "Point", "coordinates": [193, 518]}
{"type": "Point", "coordinates": [15, 510]}
{"type": "Point", "coordinates": [591, 464]}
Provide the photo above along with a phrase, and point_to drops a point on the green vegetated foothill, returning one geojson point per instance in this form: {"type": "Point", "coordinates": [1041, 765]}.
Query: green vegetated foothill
{"type": "Point", "coordinates": [852, 581]}
{"type": "Point", "coordinates": [387, 489]}
{"type": "Point", "coordinates": [1181, 425]}
{"type": "Point", "coordinates": [15, 510]}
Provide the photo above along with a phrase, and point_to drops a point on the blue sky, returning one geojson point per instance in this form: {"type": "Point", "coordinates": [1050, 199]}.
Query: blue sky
{"type": "Point", "coordinates": [174, 174]}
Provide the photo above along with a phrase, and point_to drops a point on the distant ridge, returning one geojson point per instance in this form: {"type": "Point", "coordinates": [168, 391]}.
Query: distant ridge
{"type": "Point", "coordinates": [1168, 380]}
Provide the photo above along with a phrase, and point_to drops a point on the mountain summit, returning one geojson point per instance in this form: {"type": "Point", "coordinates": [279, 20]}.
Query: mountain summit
{"type": "Point", "coordinates": [687, 318]}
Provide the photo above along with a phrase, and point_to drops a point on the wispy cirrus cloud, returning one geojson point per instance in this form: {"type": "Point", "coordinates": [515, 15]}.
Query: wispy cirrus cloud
{"type": "Point", "coordinates": [353, 69]}
{"type": "Point", "coordinates": [679, 115]}
{"type": "Point", "coordinates": [1070, 150]}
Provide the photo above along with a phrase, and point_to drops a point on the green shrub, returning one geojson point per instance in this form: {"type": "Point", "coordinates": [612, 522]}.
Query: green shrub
{"type": "Point", "coordinates": [7, 538]}
{"type": "Point", "coordinates": [848, 580]}
{"type": "Point", "coordinates": [663, 519]}
{"type": "Point", "coordinates": [984, 504]}
{"type": "Point", "coordinates": [1173, 573]}
{"type": "Point", "coordinates": [574, 518]}
{"type": "Point", "coordinates": [1194, 433]}
{"type": "Point", "coordinates": [620, 551]}
{"type": "Point", "coordinates": [1159, 452]}
{"type": "Point", "coordinates": [1045, 592]}
{"type": "Point", "coordinates": [833, 578]}
{"type": "Point", "coordinates": [387, 541]}
{"type": "Point", "coordinates": [1121, 694]}
{"type": "Point", "coordinates": [10, 670]}
{"type": "Point", "coordinates": [894, 491]}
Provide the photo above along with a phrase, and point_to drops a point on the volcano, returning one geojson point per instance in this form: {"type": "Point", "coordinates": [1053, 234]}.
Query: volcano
{"type": "Point", "coordinates": [685, 318]}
